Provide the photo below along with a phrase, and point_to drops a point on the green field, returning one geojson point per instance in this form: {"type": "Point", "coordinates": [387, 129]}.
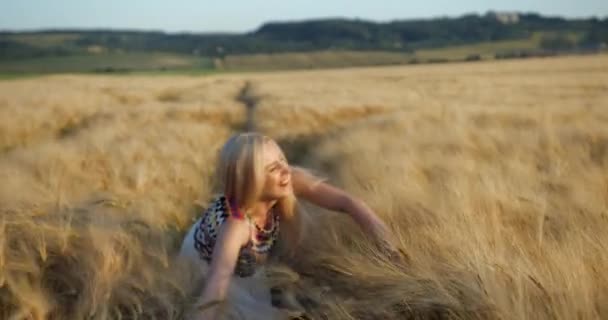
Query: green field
{"type": "Point", "coordinates": [107, 62]}
{"type": "Point", "coordinates": [342, 59]}
{"type": "Point", "coordinates": [44, 40]}
{"type": "Point", "coordinates": [337, 59]}
{"type": "Point", "coordinates": [98, 60]}
{"type": "Point", "coordinates": [487, 50]}
{"type": "Point", "coordinates": [314, 60]}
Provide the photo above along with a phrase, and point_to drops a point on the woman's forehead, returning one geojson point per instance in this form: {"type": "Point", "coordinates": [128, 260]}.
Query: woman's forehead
{"type": "Point", "coordinates": [272, 152]}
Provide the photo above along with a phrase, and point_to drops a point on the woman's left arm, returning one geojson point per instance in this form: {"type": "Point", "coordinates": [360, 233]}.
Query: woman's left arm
{"type": "Point", "coordinates": [332, 198]}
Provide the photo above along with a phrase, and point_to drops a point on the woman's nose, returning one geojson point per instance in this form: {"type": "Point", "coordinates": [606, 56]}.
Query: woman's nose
{"type": "Point", "coordinates": [285, 169]}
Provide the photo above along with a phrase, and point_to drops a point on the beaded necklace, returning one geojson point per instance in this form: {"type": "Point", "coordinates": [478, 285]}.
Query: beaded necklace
{"type": "Point", "coordinates": [264, 238]}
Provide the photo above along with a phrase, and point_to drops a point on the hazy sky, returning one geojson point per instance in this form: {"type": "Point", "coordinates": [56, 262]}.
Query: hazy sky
{"type": "Point", "coordinates": [247, 15]}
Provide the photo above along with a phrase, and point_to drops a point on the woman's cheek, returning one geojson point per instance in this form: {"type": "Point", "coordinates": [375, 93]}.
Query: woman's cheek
{"type": "Point", "coordinates": [272, 181]}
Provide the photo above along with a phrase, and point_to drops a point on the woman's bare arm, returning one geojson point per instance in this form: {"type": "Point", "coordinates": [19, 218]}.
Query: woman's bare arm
{"type": "Point", "coordinates": [233, 235]}
{"type": "Point", "coordinates": [332, 198]}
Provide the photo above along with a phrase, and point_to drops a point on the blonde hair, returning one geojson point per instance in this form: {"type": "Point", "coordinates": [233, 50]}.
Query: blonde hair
{"type": "Point", "coordinates": [240, 176]}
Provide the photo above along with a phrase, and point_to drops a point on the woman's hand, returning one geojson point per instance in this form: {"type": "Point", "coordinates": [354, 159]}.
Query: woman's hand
{"type": "Point", "coordinates": [383, 235]}
{"type": "Point", "coordinates": [385, 239]}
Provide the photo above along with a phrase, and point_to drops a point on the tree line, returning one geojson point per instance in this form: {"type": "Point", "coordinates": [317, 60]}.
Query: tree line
{"type": "Point", "coordinates": [323, 34]}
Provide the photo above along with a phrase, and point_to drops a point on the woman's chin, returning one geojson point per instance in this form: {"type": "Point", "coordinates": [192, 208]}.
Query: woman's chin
{"type": "Point", "coordinates": [285, 191]}
{"type": "Point", "coordinates": [280, 192]}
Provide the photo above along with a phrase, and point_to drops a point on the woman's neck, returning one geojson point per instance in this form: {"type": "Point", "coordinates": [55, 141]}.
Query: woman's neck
{"type": "Point", "coordinates": [261, 208]}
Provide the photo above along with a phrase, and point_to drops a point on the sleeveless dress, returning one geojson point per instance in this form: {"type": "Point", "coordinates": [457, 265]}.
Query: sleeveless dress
{"type": "Point", "coordinates": [249, 293]}
{"type": "Point", "coordinates": [208, 227]}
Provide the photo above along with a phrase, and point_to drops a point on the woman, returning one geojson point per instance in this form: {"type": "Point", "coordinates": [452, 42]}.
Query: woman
{"type": "Point", "coordinates": [258, 198]}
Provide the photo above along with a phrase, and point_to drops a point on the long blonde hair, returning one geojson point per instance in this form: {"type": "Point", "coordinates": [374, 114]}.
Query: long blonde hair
{"type": "Point", "coordinates": [240, 176]}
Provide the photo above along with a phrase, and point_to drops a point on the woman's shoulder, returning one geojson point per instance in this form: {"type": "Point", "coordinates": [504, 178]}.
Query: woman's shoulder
{"type": "Point", "coordinates": [221, 205]}
{"type": "Point", "coordinates": [216, 210]}
{"type": "Point", "coordinates": [219, 202]}
{"type": "Point", "coordinates": [234, 228]}
{"type": "Point", "coordinates": [304, 180]}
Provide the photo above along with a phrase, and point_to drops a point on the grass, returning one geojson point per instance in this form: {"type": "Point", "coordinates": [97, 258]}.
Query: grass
{"type": "Point", "coordinates": [486, 50]}
{"type": "Point", "coordinates": [492, 175]}
{"type": "Point", "coordinates": [44, 40]}
{"type": "Point", "coordinates": [313, 60]}
{"type": "Point", "coordinates": [109, 62]}
{"type": "Point", "coordinates": [341, 59]}
{"type": "Point", "coordinates": [98, 60]}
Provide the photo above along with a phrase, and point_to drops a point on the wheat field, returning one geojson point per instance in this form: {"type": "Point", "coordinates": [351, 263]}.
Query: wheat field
{"type": "Point", "coordinates": [493, 175]}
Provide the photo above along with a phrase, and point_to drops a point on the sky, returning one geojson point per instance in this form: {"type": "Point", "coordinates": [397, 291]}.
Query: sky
{"type": "Point", "coordinates": [248, 15]}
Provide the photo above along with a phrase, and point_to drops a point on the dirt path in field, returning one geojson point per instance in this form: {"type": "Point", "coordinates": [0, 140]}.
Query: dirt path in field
{"type": "Point", "coordinates": [250, 101]}
{"type": "Point", "coordinates": [297, 148]}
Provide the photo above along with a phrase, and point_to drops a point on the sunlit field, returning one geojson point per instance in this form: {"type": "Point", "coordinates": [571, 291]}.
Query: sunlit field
{"type": "Point", "coordinates": [493, 175]}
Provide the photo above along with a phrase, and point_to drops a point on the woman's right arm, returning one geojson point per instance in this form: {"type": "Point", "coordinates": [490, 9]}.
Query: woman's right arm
{"type": "Point", "coordinates": [233, 235]}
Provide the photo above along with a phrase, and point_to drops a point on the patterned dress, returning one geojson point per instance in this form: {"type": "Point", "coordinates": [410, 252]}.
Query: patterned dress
{"type": "Point", "coordinates": [208, 229]}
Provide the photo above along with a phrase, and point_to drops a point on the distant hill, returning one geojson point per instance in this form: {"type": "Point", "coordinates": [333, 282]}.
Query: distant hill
{"type": "Point", "coordinates": [403, 36]}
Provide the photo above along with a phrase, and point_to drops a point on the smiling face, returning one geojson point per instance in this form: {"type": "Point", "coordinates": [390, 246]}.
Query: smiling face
{"type": "Point", "coordinates": [277, 174]}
